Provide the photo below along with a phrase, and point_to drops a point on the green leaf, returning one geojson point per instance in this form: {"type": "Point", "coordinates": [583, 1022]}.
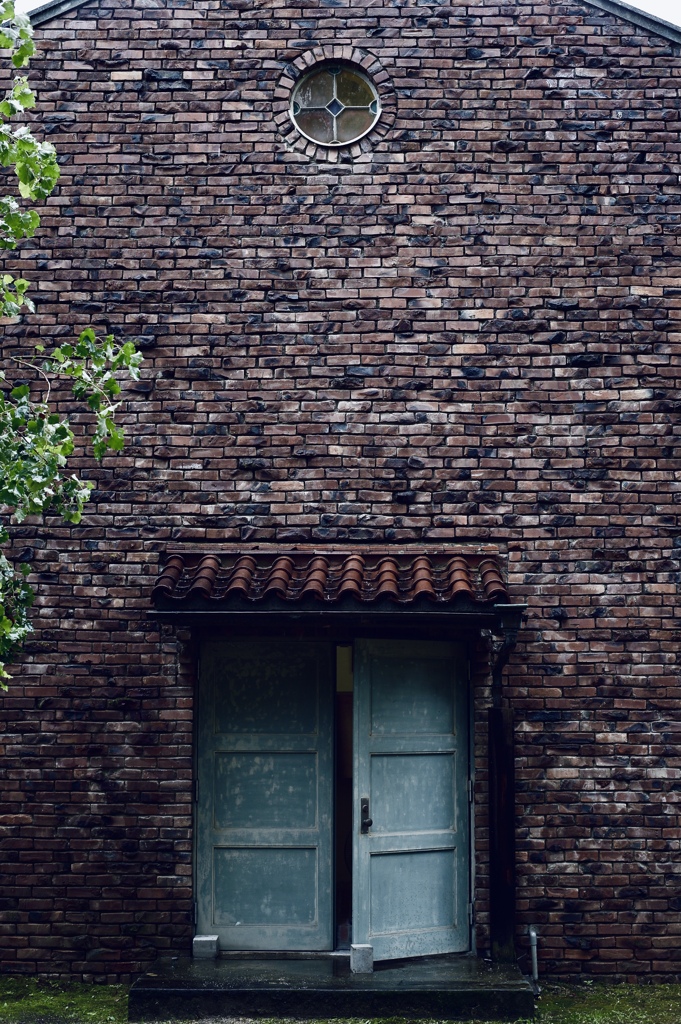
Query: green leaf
{"type": "Point", "coordinates": [37, 441]}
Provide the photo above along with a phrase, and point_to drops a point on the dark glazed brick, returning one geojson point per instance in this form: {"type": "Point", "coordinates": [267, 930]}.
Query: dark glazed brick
{"type": "Point", "coordinates": [463, 331]}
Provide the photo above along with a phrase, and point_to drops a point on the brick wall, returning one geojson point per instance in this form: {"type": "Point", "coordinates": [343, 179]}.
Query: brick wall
{"type": "Point", "coordinates": [464, 330]}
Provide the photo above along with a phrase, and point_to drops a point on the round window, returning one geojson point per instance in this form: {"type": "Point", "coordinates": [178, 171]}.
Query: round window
{"type": "Point", "coordinates": [335, 105]}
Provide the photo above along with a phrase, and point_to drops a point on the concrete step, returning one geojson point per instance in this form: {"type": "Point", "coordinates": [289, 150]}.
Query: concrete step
{"type": "Point", "coordinates": [443, 988]}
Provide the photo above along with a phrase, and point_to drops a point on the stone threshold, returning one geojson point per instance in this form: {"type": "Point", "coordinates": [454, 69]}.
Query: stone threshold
{"type": "Point", "coordinates": [454, 987]}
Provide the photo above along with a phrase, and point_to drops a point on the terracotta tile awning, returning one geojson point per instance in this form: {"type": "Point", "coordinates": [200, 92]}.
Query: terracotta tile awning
{"type": "Point", "coordinates": [251, 578]}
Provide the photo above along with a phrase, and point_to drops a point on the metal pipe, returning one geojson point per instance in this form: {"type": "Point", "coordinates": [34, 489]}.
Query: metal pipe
{"type": "Point", "coordinates": [503, 654]}
{"type": "Point", "coordinates": [533, 954]}
{"type": "Point", "coordinates": [503, 642]}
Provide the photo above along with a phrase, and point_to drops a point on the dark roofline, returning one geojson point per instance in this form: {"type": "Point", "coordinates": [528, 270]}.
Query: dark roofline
{"type": "Point", "coordinates": [53, 9]}
{"type": "Point", "coordinates": [628, 13]}
{"type": "Point", "coordinates": [658, 26]}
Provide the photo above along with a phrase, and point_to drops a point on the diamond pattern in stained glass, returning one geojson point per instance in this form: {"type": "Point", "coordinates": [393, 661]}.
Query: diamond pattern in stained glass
{"type": "Point", "coordinates": [335, 105]}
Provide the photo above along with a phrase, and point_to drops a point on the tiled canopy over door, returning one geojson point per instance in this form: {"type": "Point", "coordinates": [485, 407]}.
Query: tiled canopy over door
{"type": "Point", "coordinates": [411, 866]}
{"type": "Point", "coordinates": [264, 857]}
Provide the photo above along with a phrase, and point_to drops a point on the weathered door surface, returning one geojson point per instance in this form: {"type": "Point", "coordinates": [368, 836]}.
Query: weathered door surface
{"type": "Point", "coordinates": [410, 866]}
{"type": "Point", "coordinates": [264, 856]}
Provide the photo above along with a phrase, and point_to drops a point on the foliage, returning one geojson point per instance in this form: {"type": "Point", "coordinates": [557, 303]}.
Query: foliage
{"type": "Point", "coordinates": [34, 162]}
{"type": "Point", "coordinates": [35, 441]}
{"type": "Point", "coordinates": [35, 444]}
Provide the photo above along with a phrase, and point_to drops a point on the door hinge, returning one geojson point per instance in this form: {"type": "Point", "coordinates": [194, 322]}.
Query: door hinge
{"type": "Point", "coordinates": [471, 914]}
{"type": "Point", "coordinates": [196, 790]}
{"type": "Point", "coordinates": [470, 791]}
{"type": "Point", "coordinates": [195, 912]}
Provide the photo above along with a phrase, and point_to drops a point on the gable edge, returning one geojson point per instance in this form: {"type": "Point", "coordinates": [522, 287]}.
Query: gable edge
{"type": "Point", "coordinates": [618, 8]}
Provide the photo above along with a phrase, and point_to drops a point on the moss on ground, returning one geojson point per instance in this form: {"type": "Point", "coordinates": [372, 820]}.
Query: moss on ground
{"type": "Point", "coordinates": [610, 1004]}
{"type": "Point", "coordinates": [31, 1001]}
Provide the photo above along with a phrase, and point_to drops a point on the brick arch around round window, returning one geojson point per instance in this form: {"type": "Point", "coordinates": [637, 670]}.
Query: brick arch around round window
{"type": "Point", "coordinates": [320, 55]}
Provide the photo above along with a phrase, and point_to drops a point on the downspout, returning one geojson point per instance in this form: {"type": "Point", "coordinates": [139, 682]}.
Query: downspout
{"type": "Point", "coordinates": [502, 649]}
{"type": "Point", "coordinates": [509, 621]}
{"type": "Point", "coordinates": [502, 792]}
{"type": "Point", "coordinates": [533, 958]}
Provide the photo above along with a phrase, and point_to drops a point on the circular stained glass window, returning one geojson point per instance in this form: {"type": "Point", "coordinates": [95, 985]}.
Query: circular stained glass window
{"type": "Point", "coordinates": [335, 105]}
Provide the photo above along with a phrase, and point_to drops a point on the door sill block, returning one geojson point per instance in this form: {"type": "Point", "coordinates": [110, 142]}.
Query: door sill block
{"type": "Point", "coordinates": [278, 954]}
{"type": "Point", "coordinates": [454, 987]}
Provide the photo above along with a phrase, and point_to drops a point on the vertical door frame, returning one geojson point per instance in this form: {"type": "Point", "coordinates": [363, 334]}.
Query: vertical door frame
{"type": "Point", "coordinates": [195, 781]}
{"type": "Point", "coordinates": [472, 932]}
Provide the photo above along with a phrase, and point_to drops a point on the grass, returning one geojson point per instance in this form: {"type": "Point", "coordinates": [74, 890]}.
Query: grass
{"type": "Point", "coordinates": [610, 1004]}
{"type": "Point", "coordinates": [31, 1001]}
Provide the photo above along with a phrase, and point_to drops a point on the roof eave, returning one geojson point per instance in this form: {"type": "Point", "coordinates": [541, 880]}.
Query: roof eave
{"type": "Point", "coordinates": [650, 22]}
{"type": "Point", "coordinates": [53, 9]}
{"type": "Point", "coordinates": [499, 618]}
{"type": "Point", "coordinates": [658, 26]}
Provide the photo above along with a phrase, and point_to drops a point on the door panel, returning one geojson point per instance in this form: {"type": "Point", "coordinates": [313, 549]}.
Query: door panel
{"type": "Point", "coordinates": [265, 790]}
{"type": "Point", "coordinates": [264, 819]}
{"type": "Point", "coordinates": [266, 886]}
{"type": "Point", "coordinates": [411, 868]}
{"type": "Point", "coordinates": [425, 799]}
{"type": "Point", "coordinates": [400, 901]}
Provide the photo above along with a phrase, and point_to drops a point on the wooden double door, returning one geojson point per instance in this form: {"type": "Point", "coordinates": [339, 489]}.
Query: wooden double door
{"type": "Point", "coordinates": [265, 817]}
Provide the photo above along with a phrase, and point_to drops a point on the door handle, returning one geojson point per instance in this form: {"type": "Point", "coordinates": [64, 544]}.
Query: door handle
{"type": "Point", "coordinates": [365, 820]}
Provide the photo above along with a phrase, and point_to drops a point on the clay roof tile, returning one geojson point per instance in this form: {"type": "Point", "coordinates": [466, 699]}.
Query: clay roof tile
{"type": "Point", "coordinates": [204, 578]}
{"type": "Point", "coordinates": [492, 580]}
{"type": "Point", "coordinates": [330, 577]}
{"type": "Point", "coordinates": [351, 577]}
{"type": "Point", "coordinates": [279, 577]}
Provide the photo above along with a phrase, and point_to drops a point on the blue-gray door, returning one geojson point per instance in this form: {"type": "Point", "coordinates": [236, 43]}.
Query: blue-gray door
{"type": "Point", "coordinates": [411, 865]}
{"type": "Point", "coordinates": [264, 820]}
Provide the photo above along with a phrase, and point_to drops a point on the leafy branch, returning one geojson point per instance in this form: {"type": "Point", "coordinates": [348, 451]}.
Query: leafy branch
{"type": "Point", "coordinates": [35, 441]}
{"type": "Point", "coordinates": [93, 365]}
{"type": "Point", "coordinates": [34, 162]}
{"type": "Point", "coordinates": [35, 445]}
